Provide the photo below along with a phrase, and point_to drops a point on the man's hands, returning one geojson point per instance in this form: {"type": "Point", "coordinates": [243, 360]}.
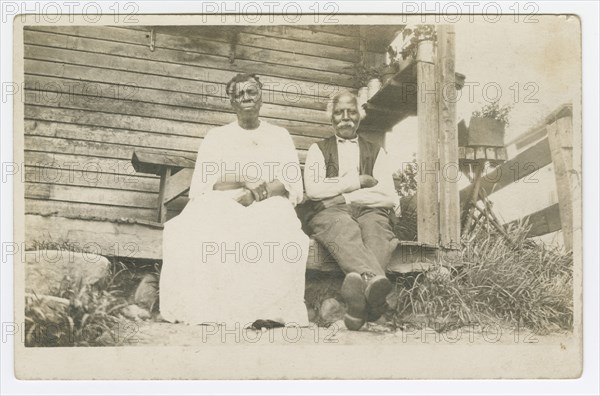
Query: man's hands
{"type": "Point", "coordinates": [367, 181]}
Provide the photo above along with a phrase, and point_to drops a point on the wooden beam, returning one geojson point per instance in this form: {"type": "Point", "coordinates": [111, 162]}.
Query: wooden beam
{"type": "Point", "coordinates": [448, 137]}
{"type": "Point", "coordinates": [152, 161]}
{"type": "Point", "coordinates": [524, 164]}
{"type": "Point", "coordinates": [178, 184]}
{"type": "Point", "coordinates": [427, 155]}
{"type": "Point", "coordinates": [112, 239]}
{"type": "Point", "coordinates": [560, 138]}
{"type": "Point", "coordinates": [165, 175]}
{"type": "Point", "coordinates": [542, 222]}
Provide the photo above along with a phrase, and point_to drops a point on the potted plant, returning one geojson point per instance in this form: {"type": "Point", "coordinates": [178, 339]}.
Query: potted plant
{"type": "Point", "coordinates": [487, 126]}
{"type": "Point", "coordinates": [368, 79]}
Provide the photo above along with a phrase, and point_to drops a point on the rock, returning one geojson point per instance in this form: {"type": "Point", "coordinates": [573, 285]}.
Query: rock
{"type": "Point", "coordinates": [46, 269]}
{"type": "Point", "coordinates": [332, 310]}
{"type": "Point", "coordinates": [438, 274]}
{"type": "Point", "coordinates": [146, 294]}
{"type": "Point", "coordinates": [133, 312]}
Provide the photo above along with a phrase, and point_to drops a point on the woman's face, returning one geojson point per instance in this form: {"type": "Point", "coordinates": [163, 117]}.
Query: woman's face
{"type": "Point", "coordinates": [246, 98]}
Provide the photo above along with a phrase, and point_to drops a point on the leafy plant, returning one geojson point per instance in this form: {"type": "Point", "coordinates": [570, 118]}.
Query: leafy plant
{"type": "Point", "coordinates": [405, 178]}
{"type": "Point", "coordinates": [364, 74]}
{"type": "Point", "coordinates": [79, 315]}
{"type": "Point", "coordinates": [419, 33]}
{"type": "Point", "coordinates": [495, 112]}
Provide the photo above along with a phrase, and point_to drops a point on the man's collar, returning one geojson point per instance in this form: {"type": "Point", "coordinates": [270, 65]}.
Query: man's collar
{"type": "Point", "coordinates": [342, 140]}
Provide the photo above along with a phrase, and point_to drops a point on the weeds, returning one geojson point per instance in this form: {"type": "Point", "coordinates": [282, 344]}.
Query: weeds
{"type": "Point", "coordinates": [78, 315]}
{"type": "Point", "coordinates": [529, 286]}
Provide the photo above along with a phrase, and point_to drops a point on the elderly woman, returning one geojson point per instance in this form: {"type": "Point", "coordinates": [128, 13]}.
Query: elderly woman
{"type": "Point", "coordinates": [236, 253]}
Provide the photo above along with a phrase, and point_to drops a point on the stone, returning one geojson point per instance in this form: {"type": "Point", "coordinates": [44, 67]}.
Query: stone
{"type": "Point", "coordinates": [146, 294]}
{"type": "Point", "coordinates": [332, 310]}
{"type": "Point", "coordinates": [133, 312]}
{"type": "Point", "coordinates": [438, 274]}
{"type": "Point", "coordinates": [45, 270]}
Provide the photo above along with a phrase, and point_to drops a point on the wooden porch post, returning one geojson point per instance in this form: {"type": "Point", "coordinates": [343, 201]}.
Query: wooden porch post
{"type": "Point", "coordinates": [448, 137]}
{"type": "Point", "coordinates": [427, 155]}
{"type": "Point", "coordinates": [560, 137]}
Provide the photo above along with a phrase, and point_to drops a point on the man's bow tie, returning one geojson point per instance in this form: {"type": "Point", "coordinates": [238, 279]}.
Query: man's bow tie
{"type": "Point", "coordinates": [342, 140]}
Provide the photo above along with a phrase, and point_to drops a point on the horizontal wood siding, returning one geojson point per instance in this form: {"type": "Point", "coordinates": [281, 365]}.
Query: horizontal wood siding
{"type": "Point", "coordinates": [95, 94]}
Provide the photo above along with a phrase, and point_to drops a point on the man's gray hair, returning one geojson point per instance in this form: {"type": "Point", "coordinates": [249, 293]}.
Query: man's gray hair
{"type": "Point", "coordinates": [333, 99]}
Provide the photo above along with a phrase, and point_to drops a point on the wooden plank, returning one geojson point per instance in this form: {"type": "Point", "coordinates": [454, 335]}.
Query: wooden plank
{"type": "Point", "coordinates": [428, 224]}
{"type": "Point", "coordinates": [147, 161]}
{"type": "Point", "coordinates": [283, 43]}
{"type": "Point", "coordinates": [94, 119]}
{"type": "Point", "coordinates": [88, 178]}
{"type": "Point", "coordinates": [542, 222]}
{"type": "Point", "coordinates": [99, 91]}
{"type": "Point", "coordinates": [123, 122]}
{"type": "Point", "coordinates": [130, 81]}
{"type": "Point", "coordinates": [522, 165]}
{"type": "Point", "coordinates": [90, 150]}
{"type": "Point", "coordinates": [134, 241]}
{"type": "Point", "coordinates": [110, 166]}
{"type": "Point", "coordinates": [102, 134]}
{"type": "Point", "coordinates": [299, 34]}
{"type": "Point", "coordinates": [560, 139]}
{"type": "Point", "coordinates": [250, 59]}
{"type": "Point", "coordinates": [448, 137]}
{"type": "Point", "coordinates": [178, 184]}
{"type": "Point", "coordinates": [307, 82]}
{"type": "Point", "coordinates": [93, 195]}
{"type": "Point", "coordinates": [87, 210]}
{"type": "Point", "coordinates": [166, 112]}
{"type": "Point", "coordinates": [204, 41]}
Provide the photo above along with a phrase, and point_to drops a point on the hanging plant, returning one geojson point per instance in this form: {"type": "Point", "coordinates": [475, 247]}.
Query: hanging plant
{"type": "Point", "coordinates": [365, 74]}
{"type": "Point", "coordinates": [419, 33]}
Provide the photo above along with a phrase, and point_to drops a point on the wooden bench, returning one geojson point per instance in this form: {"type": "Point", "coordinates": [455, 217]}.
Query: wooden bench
{"type": "Point", "coordinates": [176, 172]}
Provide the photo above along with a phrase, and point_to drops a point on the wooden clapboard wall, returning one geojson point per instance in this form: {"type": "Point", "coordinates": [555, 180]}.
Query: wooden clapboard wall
{"type": "Point", "coordinates": [94, 94]}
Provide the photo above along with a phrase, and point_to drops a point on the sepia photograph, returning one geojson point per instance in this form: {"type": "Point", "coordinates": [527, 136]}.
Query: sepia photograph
{"type": "Point", "coordinates": [297, 198]}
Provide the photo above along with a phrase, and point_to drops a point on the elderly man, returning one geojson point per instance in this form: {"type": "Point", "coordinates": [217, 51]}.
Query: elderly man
{"type": "Point", "coordinates": [351, 181]}
{"type": "Point", "coordinates": [237, 254]}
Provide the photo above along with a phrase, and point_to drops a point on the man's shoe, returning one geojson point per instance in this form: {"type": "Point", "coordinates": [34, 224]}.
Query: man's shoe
{"type": "Point", "coordinates": [353, 292]}
{"type": "Point", "coordinates": [376, 291]}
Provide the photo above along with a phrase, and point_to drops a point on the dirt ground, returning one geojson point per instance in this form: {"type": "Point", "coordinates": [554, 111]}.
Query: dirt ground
{"type": "Point", "coordinates": [151, 333]}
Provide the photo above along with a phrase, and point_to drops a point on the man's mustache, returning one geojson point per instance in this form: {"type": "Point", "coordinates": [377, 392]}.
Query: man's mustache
{"type": "Point", "coordinates": [345, 124]}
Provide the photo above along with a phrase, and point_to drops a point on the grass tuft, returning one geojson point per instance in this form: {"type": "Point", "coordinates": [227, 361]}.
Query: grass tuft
{"type": "Point", "coordinates": [527, 285]}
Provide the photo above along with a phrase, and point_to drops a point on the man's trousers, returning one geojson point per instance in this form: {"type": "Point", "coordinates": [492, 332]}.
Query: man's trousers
{"type": "Point", "coordinates": [359, 238]}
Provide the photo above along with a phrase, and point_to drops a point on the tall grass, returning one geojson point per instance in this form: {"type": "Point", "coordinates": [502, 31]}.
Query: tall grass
{"type": "Point", "coordinates": [514, 284]}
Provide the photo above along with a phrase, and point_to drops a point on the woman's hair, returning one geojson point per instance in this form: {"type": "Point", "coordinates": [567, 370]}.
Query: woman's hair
{"type": "Point", "coordinates": [239, 78]}
{"type": "Point", "coordinates": [336, 97]}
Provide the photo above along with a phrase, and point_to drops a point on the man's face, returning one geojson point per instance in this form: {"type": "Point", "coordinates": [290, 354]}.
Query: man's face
{"type": "Point", "coordinates": [247, 98]}
{"type": "Point", "coordinates": [345, 117]}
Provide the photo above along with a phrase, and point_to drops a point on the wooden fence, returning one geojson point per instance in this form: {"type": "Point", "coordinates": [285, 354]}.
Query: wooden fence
{"type": "Point", "coordinates": [555, 148]}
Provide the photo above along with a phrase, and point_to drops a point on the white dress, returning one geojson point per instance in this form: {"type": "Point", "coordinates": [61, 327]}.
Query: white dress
{"type": "Point", "coordinates": [226, 263]}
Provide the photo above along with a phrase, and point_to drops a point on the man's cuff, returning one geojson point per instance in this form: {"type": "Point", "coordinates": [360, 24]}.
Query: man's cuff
{"type": "Point", "coordinates": [347, 199]}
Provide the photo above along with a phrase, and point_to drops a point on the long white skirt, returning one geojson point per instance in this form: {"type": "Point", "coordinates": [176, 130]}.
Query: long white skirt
{"type": "Point", "coordinates": [228, 264]}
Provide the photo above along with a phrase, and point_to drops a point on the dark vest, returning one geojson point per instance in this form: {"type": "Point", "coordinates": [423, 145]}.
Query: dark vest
{"type": "Point", "coordinates": [368, 156]}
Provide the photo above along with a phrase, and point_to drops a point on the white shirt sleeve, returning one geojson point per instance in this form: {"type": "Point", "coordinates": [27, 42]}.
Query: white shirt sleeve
{"type": "Point", "coordinates": [207, 169]}
{"type": "Point", "coordinates": [383, 194]}
{"type": "Point", "coordinates": [288, 170]}
{"type": "Point", "coordinates": [318, 186]}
